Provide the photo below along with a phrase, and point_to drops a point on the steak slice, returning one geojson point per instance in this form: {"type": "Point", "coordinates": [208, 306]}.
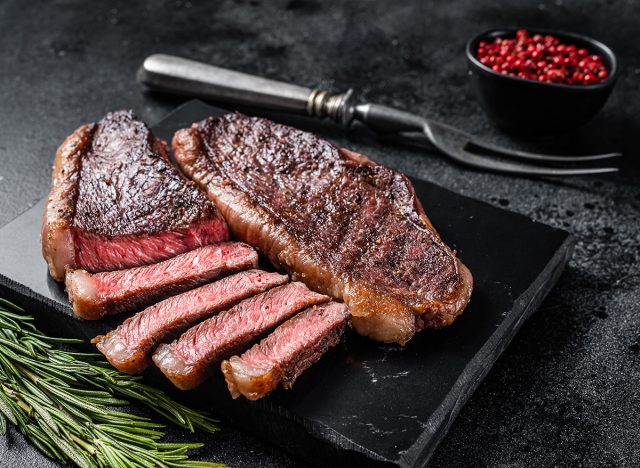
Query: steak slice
{"type": "Point", "coordinates": [189, 360]}
{"type": "Point", "coordinates": [128, 348]}
{"type": "Point", "coordinates": [117, 201]}
{"type": "Point", "coordinates": [344, 225]}
{"type": "Point", "coordinates": [95, 295]}
{"type": "Point", "coordinates": [285, 354]}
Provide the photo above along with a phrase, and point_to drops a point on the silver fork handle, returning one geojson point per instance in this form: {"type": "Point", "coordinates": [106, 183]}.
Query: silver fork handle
{"type": "Point", "coordinates": [186, 77]}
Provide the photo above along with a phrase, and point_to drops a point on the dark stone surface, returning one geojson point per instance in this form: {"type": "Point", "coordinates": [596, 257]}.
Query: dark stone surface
{"type": "Point", "coordinates": [566, 391]}
{"type": "Point", "coordinates": [340, 412]}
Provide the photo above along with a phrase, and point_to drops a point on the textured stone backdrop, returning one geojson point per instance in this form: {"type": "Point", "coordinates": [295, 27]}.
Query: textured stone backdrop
{"type": "Point", "coordinates": [567, 390]}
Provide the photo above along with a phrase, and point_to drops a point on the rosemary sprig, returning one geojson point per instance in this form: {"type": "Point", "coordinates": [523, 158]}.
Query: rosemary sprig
{"type": "Point", "coordinates": [62, 401]}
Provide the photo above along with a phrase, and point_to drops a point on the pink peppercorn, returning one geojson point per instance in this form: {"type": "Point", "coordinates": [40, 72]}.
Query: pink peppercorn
{"type": "Point", "coordinates": [542, 58]}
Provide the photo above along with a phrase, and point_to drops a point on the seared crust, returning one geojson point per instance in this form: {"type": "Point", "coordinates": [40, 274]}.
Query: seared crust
{"type": "Point", "coordinates": [337, 221]}
{"type": "Point", "coordinates": [114, 194]}
{"type": "Point", "coordinates": [129, 187]}
{"type": "Point", "coordinates": [57, 242]}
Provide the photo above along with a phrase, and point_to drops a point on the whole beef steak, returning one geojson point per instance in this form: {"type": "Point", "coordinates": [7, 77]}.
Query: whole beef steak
{"type": "Point", "coordinates": [344, 225]}
{"type": "Point", "coordinates": [117, 201]}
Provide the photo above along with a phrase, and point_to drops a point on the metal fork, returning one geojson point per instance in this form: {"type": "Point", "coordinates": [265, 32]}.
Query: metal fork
{"type": "Point", "coordinates": [407, 128]}
{"type": "Point", "coordinates": [190, 78]}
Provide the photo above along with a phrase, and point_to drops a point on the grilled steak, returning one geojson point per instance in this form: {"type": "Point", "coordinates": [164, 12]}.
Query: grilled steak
{"type": "Point", "coordinates": [189, 360]}
{"type": "Point", "coordinates": [95, 295]}
{"type": "Point", "coordinates": [344, 225]}
{"type": "Point", "coordinates": [285, 354]}
{"type": "Point", "coordinates": [117, 201]}
{"type": "Point", "coordinates": [128, 348]}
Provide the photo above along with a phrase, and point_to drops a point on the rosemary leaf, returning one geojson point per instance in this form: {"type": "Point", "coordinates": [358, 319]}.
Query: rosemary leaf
{"type": "Point", "coordinates": [8, 306]}
{"type": "Point", "coordinates": [72, 400]}
{"type": "Point", "coordinates": [170, 446]}
{"type": "Point", "coordinates": [107, 401]}
{"type": "Point", "coordinates": [83, 392]}
{"type": "Point", "coordinates": [141, 431]}
{"type": "Point", "coordinates": [6, 409]}
{"type": "Point", "coordinates": [199, 464]}
{"type": "Point", "coordinates": [33, 389]}
{"type": "Point", "coordinates": [66, 447]}
{"type": "Point", "coordinates": [42, 442]}
{"type": "Point", "coordinates": [7, 365]}
{"type": "Point", "coordinates": [45, 416]}
{"type": "Point", "coordinates": [65, 418]}
{"type": "Point", "coordinates": [62, 401]}
{"type": "Point", "coordinates": [125, 436]}
{"type": "Point", "coordinates": [15, 346]}
{"type": "Point", "coordinates": [112, 459]}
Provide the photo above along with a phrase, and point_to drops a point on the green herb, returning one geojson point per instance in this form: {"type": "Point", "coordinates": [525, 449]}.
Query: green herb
{"type": "Point", "coordinates": [63, 402]}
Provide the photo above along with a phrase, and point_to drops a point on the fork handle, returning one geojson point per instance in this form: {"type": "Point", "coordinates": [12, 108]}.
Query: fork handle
{"type": "Point", "coordinates": [177, 75]}
{"type": "Point", "coordinates": [188, 77]}
{"type": "Point", "coordinates": [384, 119]}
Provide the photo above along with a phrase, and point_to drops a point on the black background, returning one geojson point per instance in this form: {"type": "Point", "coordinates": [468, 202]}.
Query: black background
{"type": "Point", "coordinates": [567, 390]}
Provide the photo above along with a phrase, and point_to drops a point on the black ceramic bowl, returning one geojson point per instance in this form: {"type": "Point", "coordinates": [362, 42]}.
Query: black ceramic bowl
{"type": "Point", "coordinates": [533, 107]}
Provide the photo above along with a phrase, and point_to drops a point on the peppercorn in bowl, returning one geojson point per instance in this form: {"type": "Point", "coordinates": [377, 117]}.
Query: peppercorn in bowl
{"type": "Point", "coordinates": [532, 81]}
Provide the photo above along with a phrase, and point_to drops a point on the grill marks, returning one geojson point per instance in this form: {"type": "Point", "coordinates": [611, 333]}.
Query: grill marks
{"type": "Point", "coordinates": [129, 347]}
{"type": "Point", "coordinates": [280, 358]}
{"type": "Point", "coordinates": [334, 219]}
{"type": "Point", "coordinates": [189, 360]}
{"type": "Point", "coordinates": [118, 202]}
{"type": "Point", "coordinates": [100, 294]}
{"type": "Point", "coordinates": [128, 230]}
{"type": "Point", "coordinates": [128, 186]}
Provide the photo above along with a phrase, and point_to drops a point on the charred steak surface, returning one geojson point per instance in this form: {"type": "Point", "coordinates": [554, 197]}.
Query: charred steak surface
{"type": "Point", "coordinates": [337, 221]}
{"type": "Point", "coordinates": [117, 201]}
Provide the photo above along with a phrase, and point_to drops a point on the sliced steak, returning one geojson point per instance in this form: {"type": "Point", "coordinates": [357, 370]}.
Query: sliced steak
{"type": "Point", "coordinates": [189, 360]}
{"type": "Point", "coordinates": [344, 225]}
{"type": "Point", "coordinates": [117, 201]}
{"type": "Point", "coordinates": [280, 358]}
{"type": "Point", "coordinates": [129, 347]}
{"type": "Point", "coordinates": [95, 295]}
